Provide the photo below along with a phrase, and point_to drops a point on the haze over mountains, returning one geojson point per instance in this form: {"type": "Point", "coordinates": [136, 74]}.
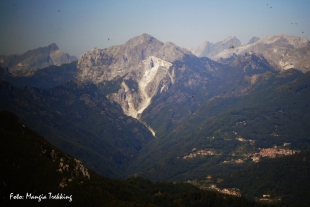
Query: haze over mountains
{"type": "Point", "coordinates": [282, 51]}
{"type": "Point", "coordinates": [157, 110]}
{"type": "Point", "coordinates": [32, 60]}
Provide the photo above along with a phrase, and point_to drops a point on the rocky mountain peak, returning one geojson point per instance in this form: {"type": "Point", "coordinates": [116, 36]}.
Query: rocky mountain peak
{"type": "Point", "coordinates": [231, 39]}
{"type": "Point", "coordinates": [171, 52]}
{"type": "Point", "coordinates": [252, 56]}
{"type": "Point", "coordinates": [281, 51]}
{"type": "Point", "coordinates": [207, 49]}
{"type": "Point", "coordinates": [53, 47]}
{"type": "Point", "coordinates": [284, 40]}
{"type": "Point", "coordinates": [28, 63]}
{"type": "Point", "coordinates": [117, 61]}
{"type": "Point", "coordinates": [252, 64]}
{"type": "Point", "coordinates": [142, 39]}
{"type": "Point", "coordinates": [253, 40]}
{"type": "Point", "coordinates": [142, 67]}
{"type": "Point", "coordinates": [203, 48]}
{"type": "Point", "coordinates": [141, 42]}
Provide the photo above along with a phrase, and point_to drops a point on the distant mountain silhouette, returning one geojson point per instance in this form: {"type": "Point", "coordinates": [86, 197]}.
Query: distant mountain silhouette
{"type": "Point", "coordinates": [27, 63]}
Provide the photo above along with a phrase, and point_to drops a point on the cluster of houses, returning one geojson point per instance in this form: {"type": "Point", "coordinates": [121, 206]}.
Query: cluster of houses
{"type": "Point", "coordinates": [228, 191]}
{"type": "Point", "coordinates": [196, 152]}
{"type": "Point", "coordinates": [272, 153]}
{"type": "Point", "coordinates": [238, 161]}
{"type": "Point", "coordinates": [255, 157]}
{"type": "Point", "coordinates": [208, 185]}
{"type": "Point", "coordinates": [265, 152]}
{"type": "Point", "coordinates": [268, 199]}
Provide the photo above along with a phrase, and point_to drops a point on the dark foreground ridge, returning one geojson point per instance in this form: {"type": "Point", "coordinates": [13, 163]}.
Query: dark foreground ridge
{"type": "Point", "coordinates": [35, 173]}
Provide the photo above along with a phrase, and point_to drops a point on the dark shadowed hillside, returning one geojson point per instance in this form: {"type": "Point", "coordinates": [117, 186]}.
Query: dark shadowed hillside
{"type": "Point", "coordinates": [31, 165]}
{"type": "Point", "coordinates": [80, 120]}
{"type": "Point", "coordinates": [48, 77]}
{"type": "Point", "coordinates": [285, 178]}
{"type": "Point", "coordinates": [230, 130]}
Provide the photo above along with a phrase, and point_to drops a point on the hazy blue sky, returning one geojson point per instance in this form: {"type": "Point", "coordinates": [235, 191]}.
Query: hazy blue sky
{"type": "Point", "coordinates": [80, 25]}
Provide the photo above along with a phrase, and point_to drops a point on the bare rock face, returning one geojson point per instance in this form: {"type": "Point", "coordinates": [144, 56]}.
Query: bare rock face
{"type": "Point", "coordinates": [253, 40]}
{"type": "Point", "coordinates": [141, 85]}
{"type": "Point", "coordinates": [282, 51]}
{"type": "Point", "coordinates": [58, 58]}
{"type": "Point", "coordinates": [208, 49]}
{"type": "Point", "coordinates": [71, 170]}
{"type": "Point", "coordinates": [104, 65]}
{"type": "Point", "coordinates": [100, 65]}
{"type": "Point", "coordinates": [148, 75]}
{"type": "Point", "coordinates": [80, 170]}
{"type": "Point", "coordinates": [143, 65]}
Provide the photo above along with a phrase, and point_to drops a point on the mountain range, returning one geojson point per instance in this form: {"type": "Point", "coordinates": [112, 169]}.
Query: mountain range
{"type": "Point", "coordinates": [32, 60]}
{"type": "Point", "coordinates": [282, 51]}
{"type": "Point", "coordinates": [166, 113]}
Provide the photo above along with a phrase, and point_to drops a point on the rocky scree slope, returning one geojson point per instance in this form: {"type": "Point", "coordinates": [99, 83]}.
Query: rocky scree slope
{"type": "Point", "coordinates": [142, 65]}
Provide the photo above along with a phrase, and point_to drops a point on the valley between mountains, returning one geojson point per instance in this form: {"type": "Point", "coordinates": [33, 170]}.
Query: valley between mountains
{"type": "Point", "coordinates": [165, 113]}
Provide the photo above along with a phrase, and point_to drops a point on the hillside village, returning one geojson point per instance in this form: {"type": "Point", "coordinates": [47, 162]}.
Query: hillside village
{"type": "Point", "coordinates": [255, 157]}
{"type": "Point", "coordinates": [209, 185]}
